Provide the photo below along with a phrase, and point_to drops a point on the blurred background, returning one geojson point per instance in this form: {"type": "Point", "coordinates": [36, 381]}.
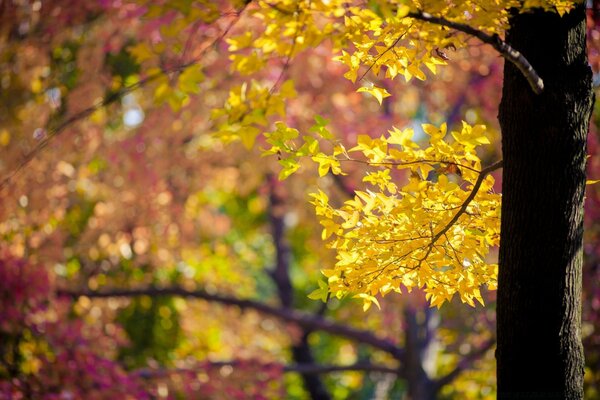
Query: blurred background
{"type": "Point", "coordinates": [142, 257]}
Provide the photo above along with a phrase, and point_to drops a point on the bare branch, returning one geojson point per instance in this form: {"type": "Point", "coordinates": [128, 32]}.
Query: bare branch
{"type": "Point", "coordinates": [307, 369]}
{"type": "Point", "coordinates": [464, 364]}
{"type": "Point", "coordinates": [304, 320]}
{"type": "Point", "coordinates": [326, 369]}
{"type": "Point", "coordinates": [506, 50]}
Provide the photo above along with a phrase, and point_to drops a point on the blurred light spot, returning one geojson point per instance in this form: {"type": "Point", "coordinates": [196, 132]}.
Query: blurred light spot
{"type": "Point", "coordinates": [133, 117]}
{"type": "Point", "coordinates": [4, 137]}
{"type": "Point", "coordinates": [163, 390]}
{"type": "Point", "coordinates": [226, 370]}
{"type": "Point", "coordinates": [140, 246]}
{"type": "Point", "coordinates": [23, 28]}
{"type": "Point", "coordinates": [65, 169]}
{"type": "Point", "coordinates": [125, 250]}
{"type": "Point", "coordinates": [53, 97]}
{"type": "Point", "coordinates": [133, 114]}
{"type": "Point", "coordinates": [39, 133]}
{"type": "Point", "coordinates": [23, 201]}
{"type": "Point", "coordinates": [60, 269]}
{"type": "Point", "coordinates": [471, 116]}
{"type": "Point", "coordinates": [290, 219]}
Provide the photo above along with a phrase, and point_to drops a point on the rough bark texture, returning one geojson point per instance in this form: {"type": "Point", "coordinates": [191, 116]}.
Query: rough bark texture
{"type": "Point", "coordinates": [539, 353]}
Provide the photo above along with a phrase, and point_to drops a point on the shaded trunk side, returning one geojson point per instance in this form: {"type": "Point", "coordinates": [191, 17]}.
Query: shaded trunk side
{"type": "Point", "coordinates": [539, 353]}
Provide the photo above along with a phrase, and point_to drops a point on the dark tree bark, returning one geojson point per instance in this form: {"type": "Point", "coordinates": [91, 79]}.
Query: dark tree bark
{"type": "Point", "coordinates": [539, 353]}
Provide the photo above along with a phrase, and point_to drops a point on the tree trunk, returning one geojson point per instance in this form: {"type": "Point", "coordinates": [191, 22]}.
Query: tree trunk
{"type": "Point", "coordinates": [418, 335]}
{"type": "Point", "coordinates": [301, 352]}
{"type": "Point", "coordinates": [539, 352]}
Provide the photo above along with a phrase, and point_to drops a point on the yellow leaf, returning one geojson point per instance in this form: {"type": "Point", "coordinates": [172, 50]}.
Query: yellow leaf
{"type": "Point", "coordinates": [141, 52]}
{"type": "Point", "coordinates": [367, 300]}
{"type": "Point", "coordinates": [289, 167]}
{"type": "Point", "coordinates": [325, 163]}
{"type": "Point", "coordinates": [322, 293]}
{"type": "Point", "coordinates": [162, 93]}
{"type": "Point", "coordinates": [190, 79]}
{"type": "Point", "coordinates": [435, 133]}
{"type": "Point", "coordinates": [402, 11]}
{"type": "Point", "coordinates": [590, 182]}
{"type": "Point", "coordinates": [287, 89]}
{"type": "Point", "coordinates": [4, 137]}
{"type": "Point", "coordinates": [248, 135]}
{"type": "Point", "coordinates": [403, 138]}
{"type": "Point", "coordinates": [377, 92]}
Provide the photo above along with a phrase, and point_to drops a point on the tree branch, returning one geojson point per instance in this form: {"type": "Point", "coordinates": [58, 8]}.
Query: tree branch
{"type": "Point", "coordinates": [506, 50]}
{"type": "Point", "coordinates": [326, 369]}
{"type": "Point", "coordinates": [304, 320]}
{"type": "Point", "coordinates": [308, 369]}
{"type": "Point", "coordinates": [463, 208]}
{"type": "Point", "coordinates": [464, 364]}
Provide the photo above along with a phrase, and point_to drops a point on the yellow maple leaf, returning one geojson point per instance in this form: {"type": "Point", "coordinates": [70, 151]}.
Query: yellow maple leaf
{"type": "Point", "coordinates": [377, 92]}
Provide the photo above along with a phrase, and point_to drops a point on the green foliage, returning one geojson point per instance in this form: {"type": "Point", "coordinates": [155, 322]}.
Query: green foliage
{"type": "Point", "coordinates": [153, 329]}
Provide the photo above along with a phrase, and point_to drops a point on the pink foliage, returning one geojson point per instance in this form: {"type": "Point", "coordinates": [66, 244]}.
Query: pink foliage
{"type": "Point", "coordinates": [24, 291]}
{"type": "Point", "coordinates": [75, 364]}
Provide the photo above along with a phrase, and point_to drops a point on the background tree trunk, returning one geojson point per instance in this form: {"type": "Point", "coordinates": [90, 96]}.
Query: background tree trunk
{"type": "Point", "coordinates": [301, 351]}
{"type": "Point", "coordinates": [539, 353]}
{"type": "Point", "coordinates": [417, 339]}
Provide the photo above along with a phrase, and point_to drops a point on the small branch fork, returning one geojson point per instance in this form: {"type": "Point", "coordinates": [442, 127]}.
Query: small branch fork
{"type": "Point", "coordinates": [506, 50]}
{"type": "Point", "coordinates": [463, 208]}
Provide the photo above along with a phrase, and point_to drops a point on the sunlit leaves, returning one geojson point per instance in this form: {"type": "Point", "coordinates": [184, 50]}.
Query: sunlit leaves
{"type": "Point", "coordinates": [246, 112]}
{"type": "Point", "coordinates": [429, 232]}
{"type": "Point", "coordinates": [390, 237]}
{"type": "Point", "coordinates": [141, 52]}
{"type": "Point", "coordinates": [322, 293]}
{"type": "Point", "coordinates": [415, 224]}
{"type": "Point", "coordinates": [190, 79]}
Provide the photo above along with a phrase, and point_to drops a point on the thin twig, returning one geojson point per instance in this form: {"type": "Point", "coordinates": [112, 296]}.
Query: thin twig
{"type": "Point", "coordinates": [384, 52]}
{"type": "Point", "coordinates": [404, 163]}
